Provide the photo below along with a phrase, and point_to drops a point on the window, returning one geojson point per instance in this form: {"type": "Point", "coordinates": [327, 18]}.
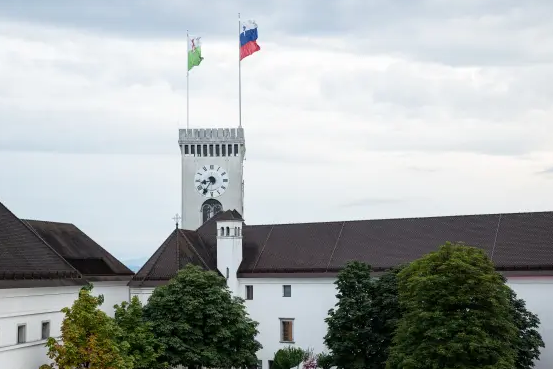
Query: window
{"type": "Point", "coordinates": [249, 292]}
{"type": "Point", "coordinates": [259, 364]}
{"type": "Point", "coordinates": [45, 330]}
{"type": "Point", "coordinates": [21, 333]}
{"type": "Point", "coordinates": [286, 330]}
{"type": "Point", "coordinates": [270, 364]}
{"type": "Point", "coordinates": [287, 290]}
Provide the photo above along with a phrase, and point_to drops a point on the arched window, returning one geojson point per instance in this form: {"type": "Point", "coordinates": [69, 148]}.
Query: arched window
{"type": "Point", "coordinates": [239, 231]}
{"type": "Point", "coordinates": [228, 231]}
{"type": "Point", "coordinates": [222, 231]}
{"type": "Point", "coordinates": [210, 208]}
{"type": "Point", "coordinates": [235, 231]}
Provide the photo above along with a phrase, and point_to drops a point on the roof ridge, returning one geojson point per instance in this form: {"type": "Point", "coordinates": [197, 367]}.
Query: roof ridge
{"type": "Point", "coordinates": [160, 250]}
{"type": "Point", "coordinates": [335, 245]}
{"type": "Point", "coordinates": [194, 248]}
{"type": "Point", "coordinates": [263, 248]}
{"type": "Point", "coordinates": [34, 231]}
{"type": "Point", "coordinates": [48, 221]}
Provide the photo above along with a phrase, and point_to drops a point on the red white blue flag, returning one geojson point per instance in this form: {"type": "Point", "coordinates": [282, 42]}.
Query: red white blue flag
{"type": "Point", "coordinates": [248, 38]}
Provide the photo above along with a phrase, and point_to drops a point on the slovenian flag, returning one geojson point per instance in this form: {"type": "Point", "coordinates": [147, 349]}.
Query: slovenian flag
{"type": "Point", "coordinates": [248, 38]}
{"type": "Point", "coordinates": [194, 52]}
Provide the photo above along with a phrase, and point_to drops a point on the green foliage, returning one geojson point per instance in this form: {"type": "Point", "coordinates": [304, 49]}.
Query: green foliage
{"type": "Point", "coordinates": [144, 348]}
{"type": "Point", "coordinates": [288, 357]}
{"type": "Point", "coordinates": [199, 323]}
{"type": "Point", "coordinates": [89, 338]}
{"type": "Point", "coordinates": [528, 341]}
{"type": "Point", "coordinates": [386, 314]}
{"type": "Point", "coordinates": [325, 360]}
{"type": "Point", "coordinates": [350, 336]}
{"type": "Point", "coordinates": [456, 313]}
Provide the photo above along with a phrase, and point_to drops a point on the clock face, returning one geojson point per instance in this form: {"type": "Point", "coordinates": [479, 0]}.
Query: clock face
{"type": "Point", "coordinates": [211, 181]}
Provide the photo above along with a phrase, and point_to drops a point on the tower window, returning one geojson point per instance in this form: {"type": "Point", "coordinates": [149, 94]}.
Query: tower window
{"type": "Point", "coordinates": [224, 150]}
{"type": "Point", "coordinates": [45, 330]}
{"type": "Point", "coordinates": [222, 231]}
{"type": "Point", "coordinates": [210, 208]}
{"type": "Point", "coordinates": [211, 150]}
{"type": "Point", "coordinates": [228, 231]}
{"type": "Point", "coordinates": [229, 150]}
{"type": "Point", "coordinates": [217, 150]}
{"type": "Point", "coordinates": [205, 150]}
{"type": "Point", "coordinates": [186, 150]}
{"type": "Point", "coordinates": [199, 150]}
{"type": "Point", "coordinates": [235, 149]}
{"type": "Point", "coordinates": [192, 150]}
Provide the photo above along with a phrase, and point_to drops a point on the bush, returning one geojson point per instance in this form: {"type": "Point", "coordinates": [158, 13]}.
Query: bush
{"type": "Point", "coordinates": [288, 357]}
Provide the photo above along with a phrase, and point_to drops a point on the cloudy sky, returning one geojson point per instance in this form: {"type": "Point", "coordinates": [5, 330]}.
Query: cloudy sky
{"type": "Point", "coordinates": [353, 109]}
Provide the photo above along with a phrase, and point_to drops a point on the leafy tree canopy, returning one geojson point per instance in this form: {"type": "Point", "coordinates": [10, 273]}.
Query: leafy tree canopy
{"type": "Point", "coordinates": [144, 348]}
{"type": "Point", "coordinates": [456, 313]}
{"type": "Point", "coordinates": [288, 357]}
{"type": "Point", "coordinates": [89, 338]}
{"type": "Point", "coordinates": [200, 323]}
{"type": "Point", "coordinates": [350, 337]}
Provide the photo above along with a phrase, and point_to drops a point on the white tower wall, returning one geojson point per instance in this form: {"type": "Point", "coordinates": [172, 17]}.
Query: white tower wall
{"type": "Point", "coordinates": [222, 148]}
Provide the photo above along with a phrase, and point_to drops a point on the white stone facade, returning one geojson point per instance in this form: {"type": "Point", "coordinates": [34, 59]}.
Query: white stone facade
{"type": "Point", "coordinates": [212, 149]}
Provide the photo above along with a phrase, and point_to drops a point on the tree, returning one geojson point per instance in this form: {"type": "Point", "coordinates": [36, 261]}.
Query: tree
{"type": "Point", "coordinates": [386, 315]}
{"type": "Point", "coordinates": [144, 348]}
{"type": "Point", "coordinates": [528, 341]}
{"type": "Point", "coordinates": [289, 357]}
{"type": "Point", "coordinates": [350, 336]}
{"type": "Point", "coordinates": [199, 323]}
{"type": "Point", "coordinates": [325, 360]}
{"type": "Point", "coordinates": [456, 313]}
{"type": "Point", "coordinates": [89, 338]}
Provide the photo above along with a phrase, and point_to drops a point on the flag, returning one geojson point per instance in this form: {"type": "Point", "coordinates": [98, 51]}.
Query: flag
{"type": "Point", "coordinates": [194, 52]}
{"type": "Point", "coordinates": [248, 38]}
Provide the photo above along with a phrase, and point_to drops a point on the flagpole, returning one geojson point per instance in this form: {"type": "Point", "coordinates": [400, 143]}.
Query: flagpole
{"type": "Point", "coordinates": [187, 73]}
{"type": "Point", "coordinates": [239, 78]}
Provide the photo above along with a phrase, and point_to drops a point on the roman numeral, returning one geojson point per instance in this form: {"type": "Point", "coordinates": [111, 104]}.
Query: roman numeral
{"type": "Point", "coordinates": [199, 187]}
{"type": "Point", "coordinates": [225, 180]}
{"type": "Point", "coordinates": [218, 169]}
{"type": "Point", "coordinates": [205, 168]}
{"type": "Point", "coordinates": [211, 194]}
{"type": "Point", "coordinates": [223, 187]}
{"type": "Point", "coordinates": [211, 166]}
{"type": "Point", "coordinates": [218, 193]}
{"type": "Point", "coordinates": [198, 180]}
{"type": "Point", "coordinates": [199, 173]}
{"type": "Point", "coordinates": [223, 173]}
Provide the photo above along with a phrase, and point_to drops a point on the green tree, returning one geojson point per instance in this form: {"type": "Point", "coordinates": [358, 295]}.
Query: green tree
{"type": "Point", "coordinates": [456, 313]}
{"type": "Point", "coordinates": [144, 347]}
{"type": "Point", "coordinates": [350, 336]}
{"type": "Point", "coordinates": [528, 341]}
{"type": "Point", "coordinates": [386, 315]}
{"type": "Point", "coordinates": [325, 360]}
{"type": "Point", "coordinates": [89, 338]}
{"type": "Point", "coordinates": [289, 357]}
{"type": "Point", "coordinates": [200, 323]}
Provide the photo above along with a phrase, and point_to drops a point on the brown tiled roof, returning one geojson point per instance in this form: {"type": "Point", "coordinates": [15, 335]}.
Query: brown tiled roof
{"type": "Point", "coordinates": [515, 242]}
{"type": "Point", "coordinates": [82, 252]}
{"type": "Point", "coordinates": [180, 248]}
{"type": "Point", "coordinates": [26, 260]}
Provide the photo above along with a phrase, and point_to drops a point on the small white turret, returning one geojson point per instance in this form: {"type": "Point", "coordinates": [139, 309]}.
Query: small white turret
{"type": "Point", "coordinates": [229, 246]}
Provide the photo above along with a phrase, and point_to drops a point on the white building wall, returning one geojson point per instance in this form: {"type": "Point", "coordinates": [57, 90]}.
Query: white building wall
{"type": "Point", "coordinates": [143, 293]}
{"type": "Point", "coordinates": [313, 297]}
{"type": "Point", "coordinates": [30, 306]}
{"type": "Point", "coordinates": [114, 293]}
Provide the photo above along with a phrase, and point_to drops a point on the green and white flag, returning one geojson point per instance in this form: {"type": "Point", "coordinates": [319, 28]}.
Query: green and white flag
{"type": "Point", "coordinates": [194, 52]}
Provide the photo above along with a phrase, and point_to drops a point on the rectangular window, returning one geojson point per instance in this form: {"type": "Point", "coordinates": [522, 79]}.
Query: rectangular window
{"type": "Point", "coordinates": [259, 364]}
{"type": "Point", "coordinates": [21, 333]}
{"type": "Point", "coordinates": [205, 151]}
{"type": "Point", "coordinates": [186, 150]}
{"type": "Point", "coordinates": [224, 149]}
{"type": "Point", "coordinates": [249, 292]}
{"type": "Point", "coordinates": [45, 330]}
{"type": "Point", "coordinates": [230, 150]}
{"type": "Point", "coordinates": [217, 152]}
{"type": "Point", "coordinates": [235, 149]}
{"type": "Point", "coordinates": [193, 150]}
{"type": "Point", "coordinates": [286, 330]}
{"type": "Point", "coordinates": [287, 290]}
{"type": "Point", "coordinates": [211, 150]}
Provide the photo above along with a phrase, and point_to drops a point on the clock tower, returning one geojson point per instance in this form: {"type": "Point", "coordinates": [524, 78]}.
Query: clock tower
{"type": "Point", "coordinates": [212, 173]}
